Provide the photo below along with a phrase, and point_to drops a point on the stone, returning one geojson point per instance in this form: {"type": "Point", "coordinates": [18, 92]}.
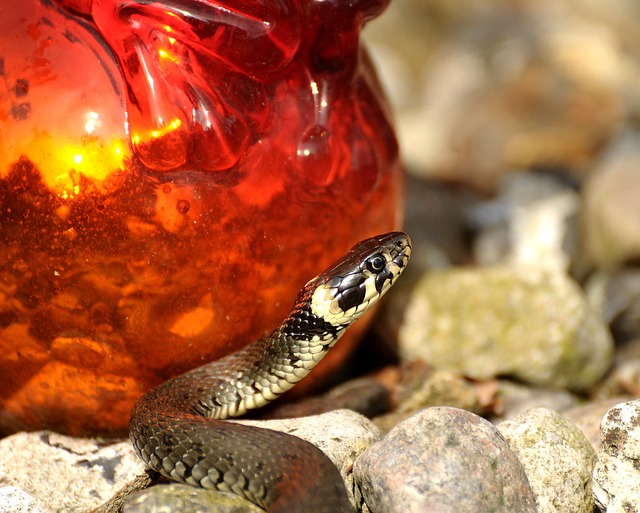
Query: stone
{"type": "Point", "coordinates": [175, 497]}
{"type": "Point", "coordinates": [624, 377]}
{"type": "Point", "coordinates": [415, 385]}
{"type": "Point", "coordinates": [530, 222]}
{"type": "Point", "coordinates": [519, 321]}
{"type": "Point", "coordinates": [514, 399]}
{"type": "Point", "coordinates": [88, 474]}
{"type": "Point", "coordinates": [587, 418]}
{"type": "Point", "coordinates": [73, 475]}
{"type": "Point", "coordinates": [616, 476]}
{"type": "Point", "coordinates": [543, 86]}
{"type": "Point", "coordinates": [611, 211]}
{"type": "Point", "coordinates": [557, 458]}
{"type": "Point", "coordinates": [617, 294]}
{"type": "Point", "coordinates": [443, 460]}
{"type": "Point", "coordinates": [16, 500]}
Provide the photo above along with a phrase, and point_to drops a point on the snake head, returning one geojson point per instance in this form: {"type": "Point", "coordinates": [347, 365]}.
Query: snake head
{"type": "Point", "coordinates": [345, 291]}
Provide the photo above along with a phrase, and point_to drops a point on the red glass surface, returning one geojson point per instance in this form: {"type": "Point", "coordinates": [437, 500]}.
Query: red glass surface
{"type": "Point", "coordinates": [171, 173]}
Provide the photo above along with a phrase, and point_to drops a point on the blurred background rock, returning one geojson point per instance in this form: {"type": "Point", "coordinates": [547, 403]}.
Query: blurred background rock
{"type": "Point", "coordinates": [518, 126]}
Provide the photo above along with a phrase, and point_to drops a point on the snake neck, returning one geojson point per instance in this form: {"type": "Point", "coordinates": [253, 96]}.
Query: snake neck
{"type": "Point", "coordinates": [278, 362]}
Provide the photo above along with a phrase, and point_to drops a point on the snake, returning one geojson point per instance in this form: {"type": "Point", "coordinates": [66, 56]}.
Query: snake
{"type": "Point", "coordinates": [178, 428]}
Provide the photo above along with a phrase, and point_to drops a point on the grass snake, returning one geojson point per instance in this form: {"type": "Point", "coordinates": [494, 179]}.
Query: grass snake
{"type": "Point", "coordinates": [176, 429]}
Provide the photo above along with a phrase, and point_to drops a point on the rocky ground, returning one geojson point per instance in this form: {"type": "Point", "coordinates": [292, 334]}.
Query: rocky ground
{"type": "Point", "coordinates": [506, 361]}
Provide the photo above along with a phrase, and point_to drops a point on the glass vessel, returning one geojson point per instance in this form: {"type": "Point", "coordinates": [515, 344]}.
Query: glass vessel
{"type": "Point", "coordinates": [171, 174]}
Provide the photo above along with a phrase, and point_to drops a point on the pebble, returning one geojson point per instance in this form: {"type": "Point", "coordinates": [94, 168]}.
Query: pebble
{"type": "Point", "coordinates": [174, 497]}
{"type": "Point", "coordinates": [611, 210]}
{"type": "Point", "coordinates": [517, 321]}
{"type": "Point", "coordinates": [617, 295]}
{"type": "Point", "coordinates": [502, 87]}
{"type": "Point", "coordinates": [531, 221]}
{"type": "Point", "coordinates": [514, 399]}
{"type": "Point", "coordinates": [587, 417]}
{"type": "Point", "coordinates": [421, 386]}
{"type": "Point", "coordinates": [557, 459]}
{"type": "Point", "coordinates": [415, 386]}
{"type": "Point", "coordinates": [16, 500]}
{"type": "Point", "coordinates": [68, 474]}
{"type": "Point", "coordinates": [443, 460]}
{"type": "Point", "coordinates": [616, 476]}
{"type": "Point", "coordinates": [88, 473]}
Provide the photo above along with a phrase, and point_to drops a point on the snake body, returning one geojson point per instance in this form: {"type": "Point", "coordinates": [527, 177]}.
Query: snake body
{"type": "Point", "coordinates": [176, 429]}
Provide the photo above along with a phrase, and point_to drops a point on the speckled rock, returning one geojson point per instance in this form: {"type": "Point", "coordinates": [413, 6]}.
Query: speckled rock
{"type": "Point", "coordinates": [174, 497]}
{"type": "Point", "coordinates": [588, 417]}
{"type": "Point", "coordinates": [68, 474]}
{"type": "Point", "coordinates": [616, 476]}
{"type": "Point", "coordinates": [443, 460]}
{"type": "Point", "coordinates": [557, 458]}
{"type": "Point", "coordinates": [16, 500]}
{"type": "Point", "coordinates": [518, 321]}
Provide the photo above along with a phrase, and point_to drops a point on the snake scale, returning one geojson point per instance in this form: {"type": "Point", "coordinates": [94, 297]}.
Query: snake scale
{"type": "Point", "coordinates": [176, 429]}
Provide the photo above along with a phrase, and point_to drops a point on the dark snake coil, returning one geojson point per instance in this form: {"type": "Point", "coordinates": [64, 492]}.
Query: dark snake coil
{"type": "Point", "coordinates": [175, 429]}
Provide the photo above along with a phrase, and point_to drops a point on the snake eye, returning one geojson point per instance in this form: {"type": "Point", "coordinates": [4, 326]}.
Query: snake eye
{"type": "Point", "coordinates": [376, 263]}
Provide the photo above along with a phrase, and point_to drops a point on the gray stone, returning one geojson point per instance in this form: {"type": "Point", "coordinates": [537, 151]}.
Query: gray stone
{"type": "Point", "coordinates": [517, 321]}
{"type": "Point", "coordinates": [174, 497]}
{"type": "Point", "coordinates": [16, 500]}
{"type": "Point", "coordinates": [557, 458]}
{"type": "Point", "coordinates": [443, 460]}
{"type": "Point", "coordinates": [616, 476]}
{"type": "Point", "coordinates": [68, 474]}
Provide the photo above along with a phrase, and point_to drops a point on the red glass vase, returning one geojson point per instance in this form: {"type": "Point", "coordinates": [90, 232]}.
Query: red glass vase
{"type": "Point", "coordinates": [171, 174]}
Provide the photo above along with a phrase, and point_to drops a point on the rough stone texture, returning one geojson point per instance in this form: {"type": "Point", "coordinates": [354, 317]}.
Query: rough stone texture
{"type": "Point", "coordinates": [68, 474]}
{"type": "Point", "coordinates": [16, 500]}
{"type": "Point", "coordinates": [515, 321]}
{"type": "Point", "coordinates": [587, 418]}
{"type": "Point", "coordinates": [176, 497]}
{"type": "Point", "coordinates": [616, 476]}
{"type": "Point", "coordinates": [557, 458]}
{"type": "Point", "coordinates": [443, 460]}
{"type": "Point", "coordinates": [611, 212]}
